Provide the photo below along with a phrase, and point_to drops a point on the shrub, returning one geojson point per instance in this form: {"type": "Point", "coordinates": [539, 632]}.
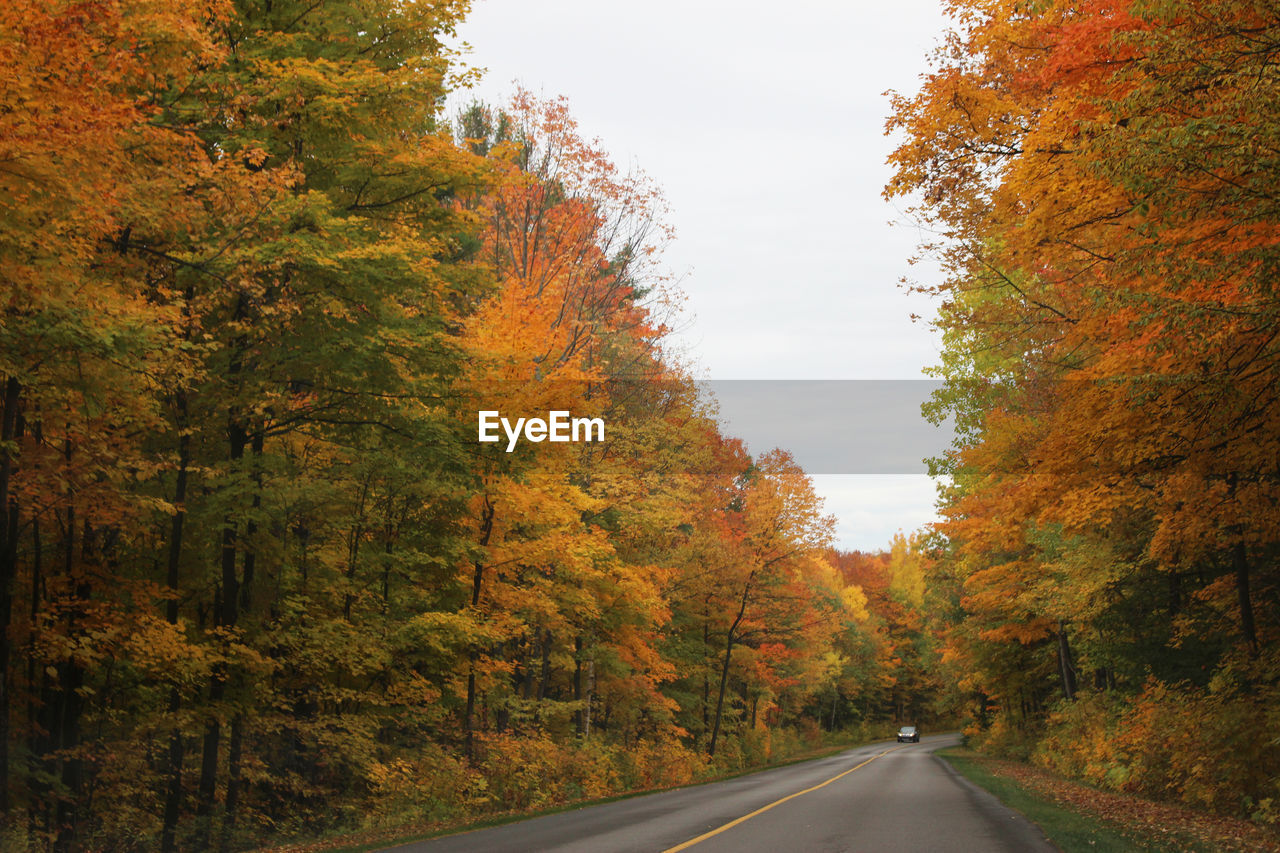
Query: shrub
{"type": "Point", "coordinates": [1002, 739]}
{"type": "Point", "coordinates": [663, 763]}
{"type": "Point", "coordinates": [1202, 746]}
{"type": "Point", "coordinates": [1080, 741]}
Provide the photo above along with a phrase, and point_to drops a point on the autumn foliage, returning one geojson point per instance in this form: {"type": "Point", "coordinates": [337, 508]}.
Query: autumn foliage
{"type": "Point", "coordinates": [1101, 177]}
{"type": "Point", "coordinates": [258, 580]}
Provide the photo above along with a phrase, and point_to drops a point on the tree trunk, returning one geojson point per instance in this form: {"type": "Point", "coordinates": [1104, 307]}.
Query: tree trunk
{"type": "Point", "coordinates": [586, 700]}
{"type": "Point", "coordinates": [249, 565]}
{"type": "Point", "coordinates": [544, 683]}
{"type": "Point", "coordinates": [353, 549]}
{"type": "Point", "coordinates": [477, 584]}
{"type": "Point", "coordinates": [1240, 562]}
{"type": "Point", "coordinates": [579, 719]}
{"type": "Point", "coordinates": [724, 679]}
{"type": "Point", "coordinates": [37, 581]}
{"type": "Point", "coordinates": [234, 749]}
{"type": "Point", "coordinates": [173, 790]}
{"type": "Point", "coordinates": [49, 726]}
{"type": "Point", "coordinates": [226, 611]}
{"type": "Point", "coordinates": [1065, 667]}
{"type": "Point", "coordinates": [208, 773]}
{"type": "Point", "coordinates": [71, 706]}
{"type": "Point", "coordinates": [706, 674]}
{"type": "Point", "coordinates": [386, 564]}
{"type": "Point", "coordinates": [8, 570]}
{"type": "Point", "coordinates": [724, 669]}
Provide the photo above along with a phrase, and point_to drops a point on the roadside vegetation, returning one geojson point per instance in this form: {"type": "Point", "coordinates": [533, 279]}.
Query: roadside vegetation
{"type": "Point", "coordinates": [1068, 830]}
{"type": "Point", "coordinates": [258, 577]}
{"type": "Point", "coordinates": [405, 830]}
{"type": "Point", "coordinates": [1077, 817]}
{"type": "Point", "coordinates": [1100, 177]}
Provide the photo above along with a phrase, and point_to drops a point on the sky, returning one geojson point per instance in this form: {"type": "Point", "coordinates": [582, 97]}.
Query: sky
{"type": "Point", "coordinates": [764, 127]}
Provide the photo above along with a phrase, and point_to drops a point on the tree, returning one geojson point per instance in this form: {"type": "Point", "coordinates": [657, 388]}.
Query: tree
{"type": "Point", "coordinates": [1095, 172]}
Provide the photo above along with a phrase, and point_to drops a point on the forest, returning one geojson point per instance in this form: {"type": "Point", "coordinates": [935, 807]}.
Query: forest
{"type": "Point", "coordinates": [258, 579]}
{"type": "Point", "coordinates": [260, 583]}
{"type": "Point", "coordinates": [1100, 179]}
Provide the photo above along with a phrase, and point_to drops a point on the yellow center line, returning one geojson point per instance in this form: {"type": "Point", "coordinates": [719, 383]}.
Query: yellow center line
{"type": "Point", "coordinates": [746, 817]}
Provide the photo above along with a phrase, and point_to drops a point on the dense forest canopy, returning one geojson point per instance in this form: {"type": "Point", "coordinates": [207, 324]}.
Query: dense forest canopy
{"type": "Point", "coordinates": [259, 580]}
{"type": "Point", "coordinates": [1101, 177]}
{"type": "Point", "coordinates": [257, 577]}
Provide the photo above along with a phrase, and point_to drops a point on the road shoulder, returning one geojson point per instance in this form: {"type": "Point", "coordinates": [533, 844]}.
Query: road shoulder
{"type": "Point", "coordinates": [1077, 817]}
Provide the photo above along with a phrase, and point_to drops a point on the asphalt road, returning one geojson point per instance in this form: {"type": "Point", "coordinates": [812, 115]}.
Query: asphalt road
{"type": "Point", "coordinates": [879, 797]}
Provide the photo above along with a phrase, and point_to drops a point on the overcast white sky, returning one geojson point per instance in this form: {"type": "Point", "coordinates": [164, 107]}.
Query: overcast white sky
{"type": "Point", "coordinates": [764, 126]}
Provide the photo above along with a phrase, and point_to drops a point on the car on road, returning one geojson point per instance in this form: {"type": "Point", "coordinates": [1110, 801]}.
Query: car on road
{"type": "Point", "coordinates": [908, 734]}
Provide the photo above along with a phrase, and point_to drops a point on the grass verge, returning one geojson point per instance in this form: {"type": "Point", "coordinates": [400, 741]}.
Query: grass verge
{"type": "Point", "coordinates": [1067, 828]}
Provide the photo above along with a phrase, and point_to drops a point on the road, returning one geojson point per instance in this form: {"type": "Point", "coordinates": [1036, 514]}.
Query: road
{"type": "Point", "coordinates": [878, 797]}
